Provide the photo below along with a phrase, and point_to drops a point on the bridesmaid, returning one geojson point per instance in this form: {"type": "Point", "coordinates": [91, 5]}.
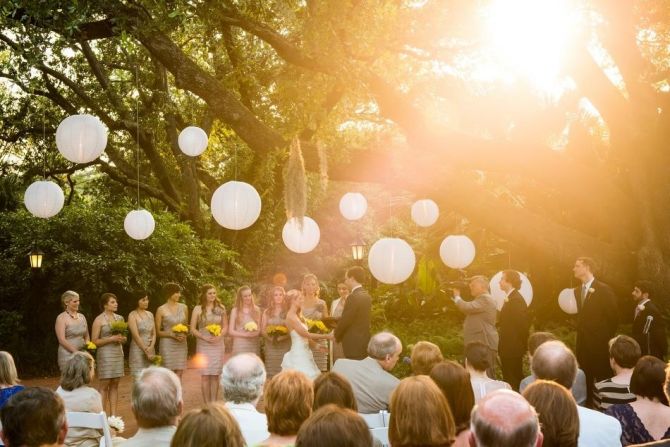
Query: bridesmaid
{"type": "Point", "coordinates": [209, 347]}
{"type": "Point", "coordinates": [314, 308]}
{"type": "Point", "coordinates": [336, 309]}
{"type": "Point", "coordinates": [245, 311]}
{"type": "Point", "coordinates": [143, 332]}
{"type": "Point", "coordinates": [109, 356]}
{"type": "Point", "coordinates": [173, 347]}
{"type": "Point", "coordinates": [71, 328]}
{"type": "Point", "coordinates": [275, 347]}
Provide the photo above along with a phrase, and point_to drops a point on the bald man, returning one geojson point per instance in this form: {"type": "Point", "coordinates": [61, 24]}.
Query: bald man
{"type": "Point", "coordinates": [504, 418]}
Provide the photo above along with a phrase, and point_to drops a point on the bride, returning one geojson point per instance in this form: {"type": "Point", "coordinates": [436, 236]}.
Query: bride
{"type": "Point", "coordinates": [300, 356]}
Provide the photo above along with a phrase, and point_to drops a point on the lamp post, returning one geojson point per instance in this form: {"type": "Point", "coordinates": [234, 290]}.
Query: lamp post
{"type": "Point", "coordinates": [358, 250]}
{"type": "Point", "coordinates": [35, 258]}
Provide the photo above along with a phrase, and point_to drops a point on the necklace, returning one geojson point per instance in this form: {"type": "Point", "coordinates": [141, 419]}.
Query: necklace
{"type": "Point", "coordinates": [74, 317]}
{"type": "Point", "coordinates": [142, 314]}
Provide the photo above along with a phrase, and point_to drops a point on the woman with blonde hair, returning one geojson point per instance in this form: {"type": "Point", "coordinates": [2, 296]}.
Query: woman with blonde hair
{"type": "Point", "coordinates": [275, 345]}
{"type": "Point", "coordinates": [245, 319]}
{"type": "Point", "coordinates": [314, 308]}
{"type": "Point", "coordinates": [71, 328]}
{"type": "Point", "coordinates": [210, 426]}
{"type": "Point", "coordinates": [557, 411]}
{"type": "Point", "coordinates": [424, 356]}
{"type": "Point", "coordinates": [9, 379]}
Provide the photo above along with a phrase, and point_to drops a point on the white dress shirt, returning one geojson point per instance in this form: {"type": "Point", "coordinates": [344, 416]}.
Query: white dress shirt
{"type": "Point", "coordinates": [253, 425]}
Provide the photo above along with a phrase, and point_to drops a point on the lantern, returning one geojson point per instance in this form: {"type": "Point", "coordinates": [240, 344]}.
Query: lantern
{"type": "Point", "coordinates": [567, 301]}
{"type": "Point", "coordinates": [301, 240]}
{"type": "Point", "coordinates": [44, 199]}
{"type": "Point", "coordinates": [139, 224]}
{"type": "Point", "coordinates": [236, 205]}
{"type": "Point", "coordinates": [425, 212]}
{"type": "Point", "coordinates": [353, 205]}
{"type": "Point", "coordinates": [457, 251]}
{"type": "Point", "coordinates": [35, 258]}
{"type": "Point", "coordinates": [391, 260]}
{"type": "Point", "coordinates": [358, 250]}
{"type": "Point", "coordinates": [192, 141]}
{"type": "Point", "coordinates": [81, 138]}
{"type": "Point", "coordinates": [526, 289]}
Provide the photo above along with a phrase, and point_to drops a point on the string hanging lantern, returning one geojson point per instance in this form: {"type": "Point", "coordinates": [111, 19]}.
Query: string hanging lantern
{"type": "Point", "coordinates": [457, 251]}
{"type": "Point", "coordinates": [567, 301]}
{"type": "Point", "coordinates": [44, 199]}
{"type": "Point", "coordinates": [192, 141]}
{"type": "Point", "coordinates": [425, 212]}
{"type": "Point", "coordinates": [391, 260]}
{"type": "Point", "coordinates": [81, 138]}
{"type": "Point", "coordinates": [301, 238]}
{"type": "Point", "coordinates": [236, 205]}
{"type": "Point", "coordinates": [353, 205]}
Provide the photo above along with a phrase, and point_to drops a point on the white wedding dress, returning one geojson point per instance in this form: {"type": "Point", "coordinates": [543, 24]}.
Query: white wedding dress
{"type": "Point", "coordinates": [300, 356]}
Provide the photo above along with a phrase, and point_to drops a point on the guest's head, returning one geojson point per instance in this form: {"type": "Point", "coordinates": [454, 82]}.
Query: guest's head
{"type": "Point", "coordinates": [310, 285]}
{"type": "Point", "coordinates": [648, 379]}
{"type": "Point", "coordinates": [503, 418]}
{"type": "Point", "coordinates": [420, 414]}
{"type": "Point", "coordinates": [510, 279]}
{"type": "Point", "coordinates": [157, 398]}
{"type": "Point", "coordinates": [642, 290]}
{"type": "Point", "coordinates": [78, 371]}
{"type": "Point", "coordinates": [208, 297]}
{"type": "Point", "coordinates": [171, 290]}
{"type": "Point", "coordinates": [242, 379]}
{"type": "Point", "coordinates": [454, 382]}
{"type": "Point", "coordinates": [141, 299]}
{"type": "Point", "coordinates": [343, 290]}
{"type": "Point", "coordinates": [555, 361]}
{"type": "Point", "coordinates": [288, 402]}
{"type": "Point", "coordinates": [244, 297]}
{"type": "Point", "coordinates": [478, 356]}
{"type": "Point", "coordinates": [537, 338]}
{"type": "Point", "coordinates": [210, 426]}
{"type": "Point", "coordinates": [557, 411]}
{"type": "Point", "coordinates": [334, 426]}
{"type": "Point", "coordinates": [333, 388]}
{"type": "Point", "coordinates": [354, 276]}
{"type": "Point", "coordinates": [624, 352]}
{"type": "Point", "coordinates": [424, 356]}
{"type": "Point", "coordinates": [385, 348]}
{"type": "Point", "coordinates": [277, 299]}
{"type": "Point", "coordinates": [108, 301]}
{"type": "Point", "coordinates": [69, 296]}
{"type": "Point", "coordinates": [478, 285]}
{"type": "Point", "coordinates": [8, 375]}
{"type": "Point", "coordinates": [33, 417]}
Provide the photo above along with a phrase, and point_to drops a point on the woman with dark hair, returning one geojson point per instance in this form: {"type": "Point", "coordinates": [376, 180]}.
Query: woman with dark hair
{"type": "Point", "coordinates": [245, 320]}
{"type": "Point", "coordinates": [557, 411]}
{"type": "Point", "coordinates": [333, 388]}
{"type": "Point", "coordinates": [143, 335]}
{"type": "Point", "coordinates": [109, 355]}
{"type": "Point", "coordinates": [334, 426]}
{"type": "Point", "coordinates": [454, 382]}
{"type": "Point", "coordinates": [71, 328]}
{"type": "Point", "coordinates": [210, 426]}
{"type": "Point", "coordinates": [275, 345]}
{"type": "Point", "coordinates": [172, 346]}
{"type": "Point", "coordinates": [648, 418]}
{"type": "Point", "coordinates": [477, 361]}
{"type": "Point", "coordinates": [314, 308]}
{"type": "Point", "coordinates": [209, 324]}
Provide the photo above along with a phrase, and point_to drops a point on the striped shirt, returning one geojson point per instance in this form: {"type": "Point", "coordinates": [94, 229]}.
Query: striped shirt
{"type": "Point", "coordinates": [608, 393]}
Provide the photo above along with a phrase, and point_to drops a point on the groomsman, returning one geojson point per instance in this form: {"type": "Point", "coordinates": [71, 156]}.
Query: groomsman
{"type": "Point", "coordinates": [353, 328]}
{"type": "Point", "coordinates": [513, 324]}
{"type": "Point", "coordinates": [648, 324]}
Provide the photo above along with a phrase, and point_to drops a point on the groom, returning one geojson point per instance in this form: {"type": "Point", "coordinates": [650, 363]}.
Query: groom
{"type": "Point", "coordinates": [353, 328]}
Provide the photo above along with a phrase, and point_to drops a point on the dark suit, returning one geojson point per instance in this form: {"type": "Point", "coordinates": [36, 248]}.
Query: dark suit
{"type": "Point", "coordinates": [513, 324]}
{"type": "Point", "coordinates": [597, 322]}
{"type": "Point", "coordinates": [657, 344]}
{"type": "Point", "coordinates": [353, 328]}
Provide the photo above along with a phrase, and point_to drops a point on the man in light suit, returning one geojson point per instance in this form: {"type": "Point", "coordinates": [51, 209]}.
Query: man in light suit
{"type": "Point", "coordinates": [480, 316]}
{"type": "Point", "coordinates": [652, 341]}
{"type": "Point", "coordinates": [513, 325]}
{"type": "Point", "coordinates": [353, 328]}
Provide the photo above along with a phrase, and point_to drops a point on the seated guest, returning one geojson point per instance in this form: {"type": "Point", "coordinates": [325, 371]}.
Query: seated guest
{"type": "Point", "coordinates": [78, 396]}
{"type": "Point", "coordinates": [420, 415]}
{"type": "Point", "coordinates": [332, 388]}
{"type": "Point", "coordinates": [9, 379]}
{"type": "Point", "coordinates": [34, 417]}
{"type": "Point", "coordinates": [666, 390]}
{"type": "Point", "coordinates": [454, 382]}
{"type": "Point", "coordinates": [210, 426]}
{"type": "Point", "coordinates": [648, 418]}
{"type": "Point", "coordinates": [288, 403]}
{"type": "Point", "coordinates": [424, 356]}
{"type": "Point", "coordinates": [334, 426]}
{"type": "Point", "coordinates": [477, 361]}
{"type": "Point", "coordinates": [557, 410]}
{"type": "Point", "coordinates": [624, 354]}
{"type": "Point", "coordinates": [370, 377]}
{"type": "Point", "coordinates": [242, 381]}
{"type": "Point", "coordinates": [578, 389]}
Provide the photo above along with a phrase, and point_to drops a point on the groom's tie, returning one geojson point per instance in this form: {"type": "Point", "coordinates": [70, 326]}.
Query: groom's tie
{"type": "Point", "coordinates": [584, 291]}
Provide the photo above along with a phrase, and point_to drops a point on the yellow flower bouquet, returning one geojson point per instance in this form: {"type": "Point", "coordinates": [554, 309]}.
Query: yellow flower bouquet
{"type": "Point", "coordinates": [157, 360]}
{"type": "Point", "coordinates": [180, 329]}
{"type": "Point", "coordinates": [250, 326]}
{"type": "Point", "coordinates": [316, 327]}
{"type": "Point", "coordinates": [275, 331]}
{"type": "Point", "coordinates": [214, 329]}
{"type": "Point", "coordinates": [119, 328]}
{"type": "Point", "coordinates": [90, 347]}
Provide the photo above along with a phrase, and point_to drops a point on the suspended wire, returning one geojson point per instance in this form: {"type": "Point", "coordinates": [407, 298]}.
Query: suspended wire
{"type": "Point", "coordinates": [137, 125]}
{"type": "Point", "coordinates": [46, 144]}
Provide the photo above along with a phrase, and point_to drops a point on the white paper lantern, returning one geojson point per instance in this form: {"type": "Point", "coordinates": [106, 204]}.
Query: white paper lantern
{"type": "Point", "coordinates": [353, 205]}
{"type": "Point", "coordinates": [44, 199]}
{"type": "Point", "coordinates": [567, 301]}
{"type": "Point", "coordinates": [192, 141]}
{"type": "Point", "coordinates": [425, 212]}
{"type": "Point", "coordinates": [391, 260]}
{"type": "Point", "coordinates": [526, 289]}
{"type": "Point", "coordinates": [301, 240]}
{"type": "Point", "coordinates": [81, 138]}
{"type": "Point", "coordinates": [236, 205]}
{"type": "Point", "coordinates": [139, 224]}
{"type": "Point", "coordinates": [457, 251]}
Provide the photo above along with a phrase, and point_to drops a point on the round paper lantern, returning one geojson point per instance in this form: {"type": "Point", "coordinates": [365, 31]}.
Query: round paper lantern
{"type": "Point", "coordinates": [353, 205]}
{"type": "Point", "coordinates": [139, 224]}
{"type": "Point", "coordinates": [301, 240]}
{"type": "Point", "coordinates": [457, 251]}
{"type": "Point", "coordinates": [192, 141]}
{"type": "Point", "coordinates": [44, 199]}
{"type": "Point", "coordinates": [425, 212]}
{"type": "Point", "coordinates": [81, 138]}
{"type": "Point", "coordinates": [526, 289]}
{"type": "Point", "coordinates": [236, 205]}
{"type": "Point", "coordinates": [567, 301]}
{"type": "Point", "coordinates": [391, 260]}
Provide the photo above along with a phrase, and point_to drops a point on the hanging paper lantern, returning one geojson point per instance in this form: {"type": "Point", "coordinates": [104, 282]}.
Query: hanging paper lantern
{"type": "Point", "coordinates": [457, 251]}
{"type": "Point", "coordinates": [526, 289]}
{"type": "Point", "coordinates": [391, 260]}
{"type": "Point", "coordinates": [44, 199]}
{"type": "Point", "coordinates": [567, 301]}
{"type": "Point", "coordinates": [301, 240]}
{"type": "Point", "coordinates": [236, 205]}
{"type": "Point", "coordinates": [353, 205]}
{"type": "Point", "coordinates": [139, 224]}
{"type": "Point", "coordinates": [81, 138]}
{"type": "Point", "coordinates": [425, 212]}
{"type": "Point", "coordinates": [192, 141]}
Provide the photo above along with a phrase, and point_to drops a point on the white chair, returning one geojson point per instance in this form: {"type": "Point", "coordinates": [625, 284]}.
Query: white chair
{"type": "Point", "coordinates": [386, 416]}
{"type": "Point", "coordinates": [374, 420]}
{"type": "Point", "coordinates": [91, 420]}
{"type": "Point", "coordinates": [382, 434]}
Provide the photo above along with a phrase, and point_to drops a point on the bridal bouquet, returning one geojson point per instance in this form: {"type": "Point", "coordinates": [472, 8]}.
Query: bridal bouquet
{"type": "Point", "coordinates": [119, 328]}
{"type": "Point", "coordinates": [116, 422]}
{"type": "Point", "coordinates": [214, 329]}
{"type": "Point", "coordinates": [316, 327]}
{"type": "Point", "coordinates": [275, 331]}
{"type": "Point", "coordinates": [250, 326]}
{"type": "Point", "coordinates": [180, 329]}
